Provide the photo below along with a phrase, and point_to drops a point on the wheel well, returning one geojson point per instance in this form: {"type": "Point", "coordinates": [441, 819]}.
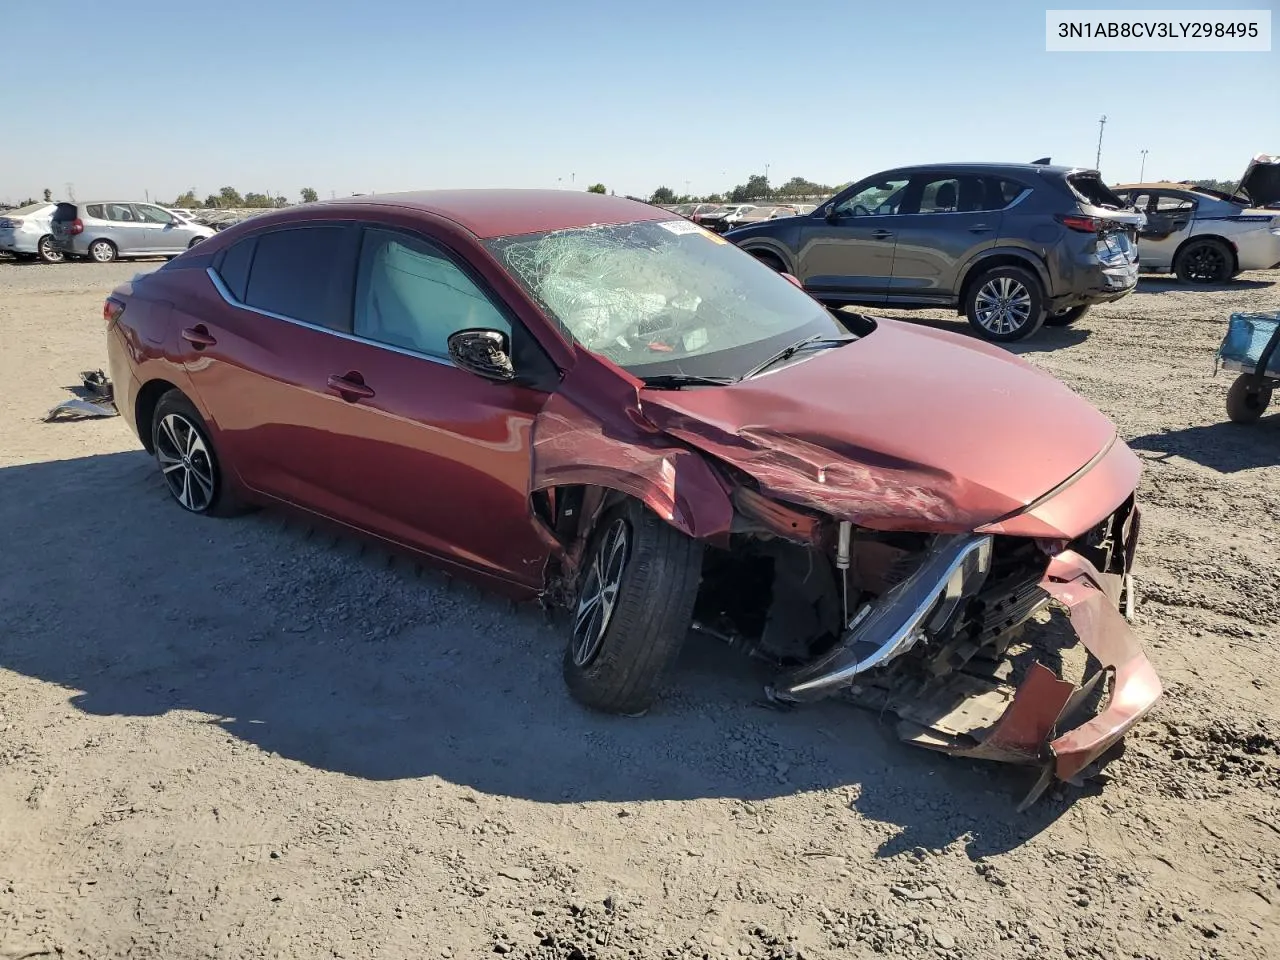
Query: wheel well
{"type": "Point", "coordinates": [769, 258]}
{"type": "Point", "coordinates": [1231, 249]}
{"type": "Point", "coordinates": [991, 263]}
{"type": "Point", "coordinates": [145, 407]}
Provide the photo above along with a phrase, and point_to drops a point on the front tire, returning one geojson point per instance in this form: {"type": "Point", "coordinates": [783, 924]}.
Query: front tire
{"type": "Point", "coordinates": [1067, 317]}
{"type": "Point", "coordinates": [1247, 399]}
{"type": "Point", "coordinates": [188, 462]}
{"type": "Point", "coordinates": [1204, 261]}
{"type": "Point", "coordinates": [1005, 304]}
{"type": "Point", "coordinates": [47, 252]}
{"type": "Point", "coordinates": [635, 603]}
{"type": "Point", "coordinates": [102, 251]}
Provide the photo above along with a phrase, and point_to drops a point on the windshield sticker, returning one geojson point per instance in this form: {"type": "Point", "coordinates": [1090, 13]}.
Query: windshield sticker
{"type": "Point", "coordinates": [679, 227]}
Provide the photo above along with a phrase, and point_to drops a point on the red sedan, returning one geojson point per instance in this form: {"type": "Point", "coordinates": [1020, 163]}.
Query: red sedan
{"type": "Point", "coordinates": [594, 402]}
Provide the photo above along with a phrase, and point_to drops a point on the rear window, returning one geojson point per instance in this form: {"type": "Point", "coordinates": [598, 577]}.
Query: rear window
{"type": "Point", "coordinates": [233, 268]}
{"type": "Point", "coordinates": [1090, 188]}
{"type": "Point", "coordinates": [293, 271]}
{"type": "Point", "coordinates": [94, 210]}
{"type": "Point", "coordinates": [65, 211]}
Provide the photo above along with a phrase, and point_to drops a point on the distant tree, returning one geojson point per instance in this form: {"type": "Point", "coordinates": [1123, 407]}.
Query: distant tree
{"type": "Point", "coordinates": [212, 200]}
{"type": "Point", "coordinates": [713, 198]}
{"type": "Point", "coordinates": [663, 195]}
{"type": "Point", "coordinates": [1224, 186]}
{"type": "Point", "coordinates": [230, 197]}
{"type": "Point", "coordinates": [256, 200]}
{"type": "Point", "coordinates": [309, 195]}
{"type": "Point", "coordinates": [597, 188]}
{"type": "Point", "coordinates": [800, 187]}
{"type": "Point", "coordinates": [48, 195]}
{"type": "Point", "coordinates": [187, 200]}
{"type": "Point", "coordinates": [756, 188]}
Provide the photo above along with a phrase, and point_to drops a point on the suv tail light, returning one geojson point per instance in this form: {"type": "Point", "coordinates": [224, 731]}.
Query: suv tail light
{"type": "Point", "coordinates": [1082, 224]}
{"type": "Point", "coordinates": [77, 226]}
{"type": "Point", "coordinates": [111, 310]}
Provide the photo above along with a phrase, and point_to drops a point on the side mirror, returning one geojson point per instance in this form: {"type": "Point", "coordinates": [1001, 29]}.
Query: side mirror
{"type": "Point", "coordinates": [829, 213]}
{"type": "Point", "coordinates": [486, 353]}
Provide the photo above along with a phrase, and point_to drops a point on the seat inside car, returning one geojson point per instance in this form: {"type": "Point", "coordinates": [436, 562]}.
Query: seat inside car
{"type": "Point", "coordinates": [945, 199]}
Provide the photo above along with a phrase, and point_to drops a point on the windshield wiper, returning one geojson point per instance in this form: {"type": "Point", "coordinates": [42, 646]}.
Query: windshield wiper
{"type": "Point", "coordinates": [817, 340]}
{"type": "Point", "coordinates": [674, 381]}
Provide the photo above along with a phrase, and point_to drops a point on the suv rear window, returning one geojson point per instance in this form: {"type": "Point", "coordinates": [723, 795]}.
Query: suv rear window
{"type": "Point", "coordinates": [294, 271]}
{"type": "Point", "coordinates": [1090, 188]}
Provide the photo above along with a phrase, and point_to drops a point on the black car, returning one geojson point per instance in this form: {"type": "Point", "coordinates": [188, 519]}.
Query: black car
{"type": "Point", "coordinates": [1011, 246]}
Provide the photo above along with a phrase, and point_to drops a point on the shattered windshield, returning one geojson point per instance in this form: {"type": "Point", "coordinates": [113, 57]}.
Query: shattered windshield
{"type": "Point", "coordinates": [660, 297]}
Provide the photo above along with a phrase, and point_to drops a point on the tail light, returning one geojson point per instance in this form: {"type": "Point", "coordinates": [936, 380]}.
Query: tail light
{"type": "Point", "coordinates": [77, 226]}
{"type": "Point", "coordinates": [1082, 224]}
{"type": "Point", "coordinates": [15, 224]}
{"type": "Point", "coordinates": [111, 310]}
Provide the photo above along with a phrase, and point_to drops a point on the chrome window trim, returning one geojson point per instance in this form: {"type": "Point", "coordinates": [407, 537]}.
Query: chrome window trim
{"type": "Point", "coordinates": [340, 334]}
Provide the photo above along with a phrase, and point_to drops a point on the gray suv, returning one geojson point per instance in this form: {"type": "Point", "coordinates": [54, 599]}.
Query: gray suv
{"type": "Point", "coordinates": [109, 229]}
{"type": "Point", "coordinates": [1010, 246]}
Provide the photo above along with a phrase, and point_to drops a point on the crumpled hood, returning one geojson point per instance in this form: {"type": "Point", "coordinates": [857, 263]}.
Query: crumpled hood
{"type": "Point", "coordinates": [907, 428]}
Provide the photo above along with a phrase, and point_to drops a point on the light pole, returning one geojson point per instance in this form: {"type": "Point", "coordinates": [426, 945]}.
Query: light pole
{"type": "Point", "coordinates": [1143, 170]}
{"type": "Point", "coordinates": [1097, 163]}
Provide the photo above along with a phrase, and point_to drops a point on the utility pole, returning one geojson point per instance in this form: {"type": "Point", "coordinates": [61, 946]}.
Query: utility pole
{"type": "Point", "coordinates": [1143, 170]}
{"type": "Point", "coordinates": [71, 191]}
{"type": "Point", "coordinates": [1097, 163]}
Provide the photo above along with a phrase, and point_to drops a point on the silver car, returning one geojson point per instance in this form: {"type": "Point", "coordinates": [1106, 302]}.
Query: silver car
{"type": "Point", "coordinates": [26, 232]}
{"type": "Point", "coordinates": [103, 231]}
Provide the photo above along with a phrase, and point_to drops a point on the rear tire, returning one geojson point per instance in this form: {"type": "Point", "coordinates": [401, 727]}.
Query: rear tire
{"type": "Point", "coordinates": [102, 251]}
{"type": "Point", "coordinates": [1005, 304]}
{"type": "Point", "coordinates": [46, 251]}
{"type": "Point", "coordinates": [194, 241]}
{"type": "Point", "coordinates": [1204, 261]}
{"type": "Point", "coordinates": [187, 459]}
{"type": "Point", "coordinates": [1247, 399]}
{"type": "Point", "coordinates": [622, 644]}
{"type": "Point", "coordinates": [1067, 317]}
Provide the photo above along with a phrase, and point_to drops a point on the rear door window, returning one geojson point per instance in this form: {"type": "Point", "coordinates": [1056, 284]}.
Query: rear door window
{"type": "Point", "coordinates": [304, 273]}
{"type": "Point", "coordinates": [95, 210]}
{"type": "Point", "coordinates": [1174, 203]}
{"type": "Point", "coordinates": [120, 212]}
{"type": "Point", "coordinates": [233, 266]}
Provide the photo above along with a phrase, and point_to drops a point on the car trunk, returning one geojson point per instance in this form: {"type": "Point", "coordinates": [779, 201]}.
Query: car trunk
{"type": "Point", "coordinates": [1116, 227]}
{"type": "Point", "coordinates": [64, 217]}
{"type": "Point", "coordinates": [1261, 181]}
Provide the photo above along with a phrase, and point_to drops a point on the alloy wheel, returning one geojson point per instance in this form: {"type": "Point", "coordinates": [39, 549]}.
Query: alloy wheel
{"type": "Point", "coordinates": [1003, 305]}
{"type": "Point", "coordinates": [185, 462]}
{"type": "Point", "coordinates": [599, 594]}
{"type": "Point", "coordinates": [48, 252]}
{"type": "Point", "coordinates": [1206, 264]}
{"type": "Point", "coordinates": [102, 252]}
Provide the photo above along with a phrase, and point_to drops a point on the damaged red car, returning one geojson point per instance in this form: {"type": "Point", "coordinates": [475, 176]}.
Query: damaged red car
{"type": "Point", "coordinates": [596, 403]}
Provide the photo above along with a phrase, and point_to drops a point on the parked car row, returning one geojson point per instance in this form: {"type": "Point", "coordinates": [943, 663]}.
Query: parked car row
{"type": "Point", "coordinates": [1015, 246]}
{"type": "Point", "coordinates": [106, 230]}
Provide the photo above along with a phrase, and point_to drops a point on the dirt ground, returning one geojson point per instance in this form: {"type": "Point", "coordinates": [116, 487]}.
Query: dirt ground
{"type": "Point", "coordinates": [240, 739]}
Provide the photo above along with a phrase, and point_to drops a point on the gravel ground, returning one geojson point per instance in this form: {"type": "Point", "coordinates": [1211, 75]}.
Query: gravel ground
{"type": "Point", "coordinates": [243, 739]}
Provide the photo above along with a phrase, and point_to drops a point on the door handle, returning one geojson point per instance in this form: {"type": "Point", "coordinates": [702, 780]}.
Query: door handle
{"type": "Point", "coordinates": [198, 336]}
{"type": "Point", "coordinates": [882, 234]}
{"type": "Point", "coordinates": [350, 387]}
{"type": "Point", "coordinates": [979, 228]}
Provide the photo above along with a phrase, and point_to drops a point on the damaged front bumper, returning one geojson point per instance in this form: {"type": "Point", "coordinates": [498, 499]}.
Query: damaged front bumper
{"type": "Point", "coordinates": [975, 713]}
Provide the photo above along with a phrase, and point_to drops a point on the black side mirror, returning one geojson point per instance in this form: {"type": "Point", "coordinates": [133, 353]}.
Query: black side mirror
{"type": "Point", "coordinates": [829, 213]}
{"type": "Point", "coordinates": [486, 353]}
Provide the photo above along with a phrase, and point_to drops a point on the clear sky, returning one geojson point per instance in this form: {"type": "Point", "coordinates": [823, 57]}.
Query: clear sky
{"type": "Point", "coordinates": [377, 95]}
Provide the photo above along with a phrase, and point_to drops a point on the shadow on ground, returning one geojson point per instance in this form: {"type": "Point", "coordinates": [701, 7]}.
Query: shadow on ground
{"type": "Point", "coordinates": [1226, 447]}
{"type": "Point", "coordinates": [109, 590]}
{"type": "Point", "coordinates": [1170, 284]}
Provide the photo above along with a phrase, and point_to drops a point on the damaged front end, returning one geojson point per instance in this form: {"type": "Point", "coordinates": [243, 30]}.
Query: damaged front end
{"type": "Point", "coordinates": [929, 628]}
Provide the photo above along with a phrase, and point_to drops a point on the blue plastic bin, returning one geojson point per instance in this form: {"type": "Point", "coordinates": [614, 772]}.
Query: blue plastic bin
{"type": "Point", "coordinates": [1247, 336]}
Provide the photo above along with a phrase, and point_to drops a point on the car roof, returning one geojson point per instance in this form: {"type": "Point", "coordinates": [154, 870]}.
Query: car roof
{"type": "Point", "coordinates": [503, 213]}
{"type": "Point", "coordinates": [1036, 168]}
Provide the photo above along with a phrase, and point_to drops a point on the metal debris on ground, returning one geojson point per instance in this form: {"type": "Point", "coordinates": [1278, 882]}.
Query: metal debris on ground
{"type": "Point", "coordinates": [94, 398]}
